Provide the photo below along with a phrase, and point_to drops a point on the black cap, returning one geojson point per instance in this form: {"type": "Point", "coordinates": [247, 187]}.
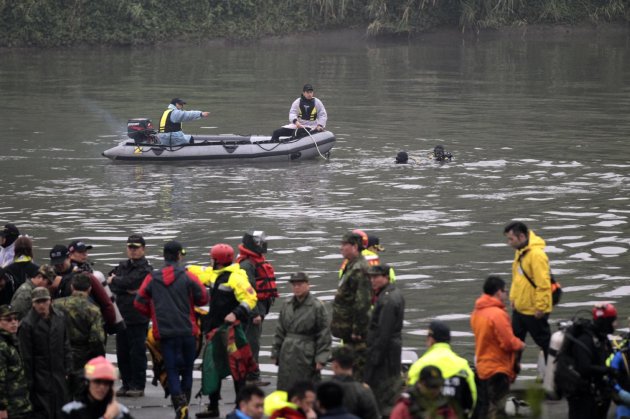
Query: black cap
{"type": "Point", "coordinates": [378, 270]}
{"type": "Point", "coordinates": [307, 88]}
{"type": "Point", "coordinates": [299, 277]}
{"type": "Point", "coordinates": [178, 101]}
{"type": "Point", "coordinates": [58, 254]}
{"type": "Point", "coordinates": [439, 331]}
{"type": "Point", "coordinates": [78, 246]}
{"type": "Point", "coordinates": [375, 242]}
{"type": "Point", "coordinates": [10, 230]}
{"type": "Point", "coordinates": [173, 248]}
{"type": "Point", "coordinates": [431, 376]}
{"type": "Point", "coordinates": [136, 240]}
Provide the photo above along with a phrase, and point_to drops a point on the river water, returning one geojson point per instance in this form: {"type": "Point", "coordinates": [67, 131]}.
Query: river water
{"type": "Point", "coordinates": [537, 124]}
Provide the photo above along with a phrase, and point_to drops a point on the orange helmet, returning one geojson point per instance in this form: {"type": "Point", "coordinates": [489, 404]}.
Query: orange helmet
{"type": "Point", "coordinates": [222, 253]}
{"type": "Point", "coordinates": [364, 237]}
{"type": "Point", "coordinates": [100, 368]}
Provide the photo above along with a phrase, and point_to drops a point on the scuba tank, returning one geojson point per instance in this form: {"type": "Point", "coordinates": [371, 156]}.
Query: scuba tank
{"type": "Point", "coordinates": [554, 346]}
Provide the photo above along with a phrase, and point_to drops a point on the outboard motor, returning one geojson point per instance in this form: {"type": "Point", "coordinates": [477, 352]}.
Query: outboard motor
{"type": "Point", "coordinates": [141, 130]}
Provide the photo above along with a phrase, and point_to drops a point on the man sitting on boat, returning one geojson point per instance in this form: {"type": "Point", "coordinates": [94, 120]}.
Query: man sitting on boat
{"type": "Point", "coordinates": [170, 132]}
{"type": "Point", "coordinates": [307, 114]}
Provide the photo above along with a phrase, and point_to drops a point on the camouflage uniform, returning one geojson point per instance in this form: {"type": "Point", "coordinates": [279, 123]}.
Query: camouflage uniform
{"type": "Point", "coordinates": [351, 310]}
{"type": "Point", "coordinates": [84, 323]}
{"type": "Point", "coordinates": [21, 302]}
{"type": "Point", "coordinates": [13, 386]}
{"type": "Point", "coordinates": [302, 339]}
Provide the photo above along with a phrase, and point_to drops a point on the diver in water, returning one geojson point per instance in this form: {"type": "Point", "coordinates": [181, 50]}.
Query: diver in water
{"type": "Point", "coordinates": [438, 154]}
{"type": "Point", "coordinates": [441, 155]}
{"type": "Point", "coordinates": [402, 157]}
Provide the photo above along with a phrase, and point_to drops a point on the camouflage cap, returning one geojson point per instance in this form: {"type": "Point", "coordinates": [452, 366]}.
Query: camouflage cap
{"type": "Point", "coordinates": [431, 376]}
{"type": "Point", "coordinates": [40, 293]}
{"type": "Point", "coordinates": [6, 310]}
{"type": "Point", "coordinates": [47, 272]}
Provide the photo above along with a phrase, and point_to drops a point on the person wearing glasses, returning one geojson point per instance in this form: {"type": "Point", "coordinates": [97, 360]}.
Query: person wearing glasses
{"type": "Point", "coordinates": [47, 355]}
{"type": "Point", "coordinates": [125, 280]}
{"type": "Point", "coordinates": [170, 131]}
{"type": "Point", "coordinates": [14, 401]}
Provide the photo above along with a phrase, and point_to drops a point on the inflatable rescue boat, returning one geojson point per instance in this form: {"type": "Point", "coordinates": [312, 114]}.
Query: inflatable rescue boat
{"type": "Point", "coordinates": [143, 146]}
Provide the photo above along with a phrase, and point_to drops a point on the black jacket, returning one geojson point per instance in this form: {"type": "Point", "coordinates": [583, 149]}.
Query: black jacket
{"type": "Point", "coordinates": [21, 271]}
{"type": "Point", "coordinates": [85, 408]}
{"type": "Point", "coordinates": [129, 275]}
{"type": "Point", "coordinates": [45, 348]}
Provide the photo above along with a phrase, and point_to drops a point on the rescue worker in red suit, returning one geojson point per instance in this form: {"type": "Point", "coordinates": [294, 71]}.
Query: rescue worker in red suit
{"type": "Point", "coordinates": [262, 278]}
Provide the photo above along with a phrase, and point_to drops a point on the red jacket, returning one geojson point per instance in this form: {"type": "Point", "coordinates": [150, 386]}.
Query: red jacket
{"type": "Point", "coordinates": [495, 343]}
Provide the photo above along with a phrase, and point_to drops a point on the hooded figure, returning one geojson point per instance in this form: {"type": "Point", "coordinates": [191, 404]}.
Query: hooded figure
{"type": "Point", "coordinates": [8, 236]}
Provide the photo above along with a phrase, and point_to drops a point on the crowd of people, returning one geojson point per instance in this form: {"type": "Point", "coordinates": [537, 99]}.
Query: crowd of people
{"type": "Point", "coordinates": [55, 318]}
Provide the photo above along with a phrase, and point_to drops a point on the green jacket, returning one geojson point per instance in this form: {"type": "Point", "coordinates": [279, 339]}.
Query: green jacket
{"type": "Point", "coordinates": [21, 302]}
{"type": "Point", "coordinates": [302, 339]}
{"type": "Point", "coordinates": [84, 323]}
{"type": "Point", "coordinates": [351, 307]}
{"type": "Point", "coordinates": [13, 386]}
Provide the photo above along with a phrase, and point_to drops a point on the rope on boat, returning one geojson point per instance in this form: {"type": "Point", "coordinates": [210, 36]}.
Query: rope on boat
{"type": "Point", "coordinates": [314, 142]}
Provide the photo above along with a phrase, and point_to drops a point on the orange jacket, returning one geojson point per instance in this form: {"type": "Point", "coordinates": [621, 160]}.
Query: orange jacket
{"type": "Point", "coordinates": [495, 343]}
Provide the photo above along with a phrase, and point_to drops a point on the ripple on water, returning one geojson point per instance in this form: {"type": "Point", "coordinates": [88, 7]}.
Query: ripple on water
{"type": "Point", "coordinates": [609, 250]}
{"type": "Point", "coordinates": [622, 291]}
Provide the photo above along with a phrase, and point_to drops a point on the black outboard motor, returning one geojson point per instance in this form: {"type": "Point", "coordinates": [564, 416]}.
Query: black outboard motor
{"type": "Point", "coordinates": [441, 155]}
{"type": "Point", "coordinates": [141, 131]}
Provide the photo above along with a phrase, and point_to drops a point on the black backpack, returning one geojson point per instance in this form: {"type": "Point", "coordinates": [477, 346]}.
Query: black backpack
{"type": "Point", "coordinates": [567, 379]}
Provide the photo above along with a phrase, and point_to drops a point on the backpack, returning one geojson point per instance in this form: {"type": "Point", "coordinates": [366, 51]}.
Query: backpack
{"type": "Point", "coordinates": [567, 379]}
{"type": "Point", "coordinates": [556, 288]}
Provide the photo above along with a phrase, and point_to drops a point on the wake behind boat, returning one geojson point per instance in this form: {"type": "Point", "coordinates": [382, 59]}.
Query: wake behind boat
{"type": "Point", "coordinates": [143, 146]}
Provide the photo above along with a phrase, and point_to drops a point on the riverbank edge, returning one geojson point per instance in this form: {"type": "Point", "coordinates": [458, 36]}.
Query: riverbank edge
{"type": "Point", "coordinates": [524, 32]}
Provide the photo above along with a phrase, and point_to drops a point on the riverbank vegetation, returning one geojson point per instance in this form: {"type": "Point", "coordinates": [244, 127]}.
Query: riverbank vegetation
{"type": "Point", "coordinates": [46, 23]}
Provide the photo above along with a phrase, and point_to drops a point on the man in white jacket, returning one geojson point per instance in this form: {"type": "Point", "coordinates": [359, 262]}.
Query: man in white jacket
{"type": "Point", "coordinates": [8, 236]}
{"type": "Point", "coordinates": [307, 114]}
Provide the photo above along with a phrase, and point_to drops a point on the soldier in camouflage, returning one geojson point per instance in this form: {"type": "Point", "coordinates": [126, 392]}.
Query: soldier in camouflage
{"type": "Point", "coordinates": [14, 400]}
{"type": "Point", "coordinates": [21, 302]}
{"type": "Point", "coordinates": [84, 323]}
{"type": "Point", "coordinates": [351, 306]}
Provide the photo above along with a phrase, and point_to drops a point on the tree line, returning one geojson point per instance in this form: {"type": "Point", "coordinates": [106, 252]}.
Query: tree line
{"type": "Point", "coordinates": [52, 23]}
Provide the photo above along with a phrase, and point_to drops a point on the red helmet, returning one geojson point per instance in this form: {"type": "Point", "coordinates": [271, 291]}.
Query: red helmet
{"type": "Point", "coordinates": [604, 311]}
{"type": "Point", "coordinates": [222, 253]}
{"type": "Point", "coordinates": [364, 237]}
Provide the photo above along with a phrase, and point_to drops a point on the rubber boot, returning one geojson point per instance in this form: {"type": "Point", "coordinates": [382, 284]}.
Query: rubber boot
{"type": "Point", "coordinates": [180, 404]}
